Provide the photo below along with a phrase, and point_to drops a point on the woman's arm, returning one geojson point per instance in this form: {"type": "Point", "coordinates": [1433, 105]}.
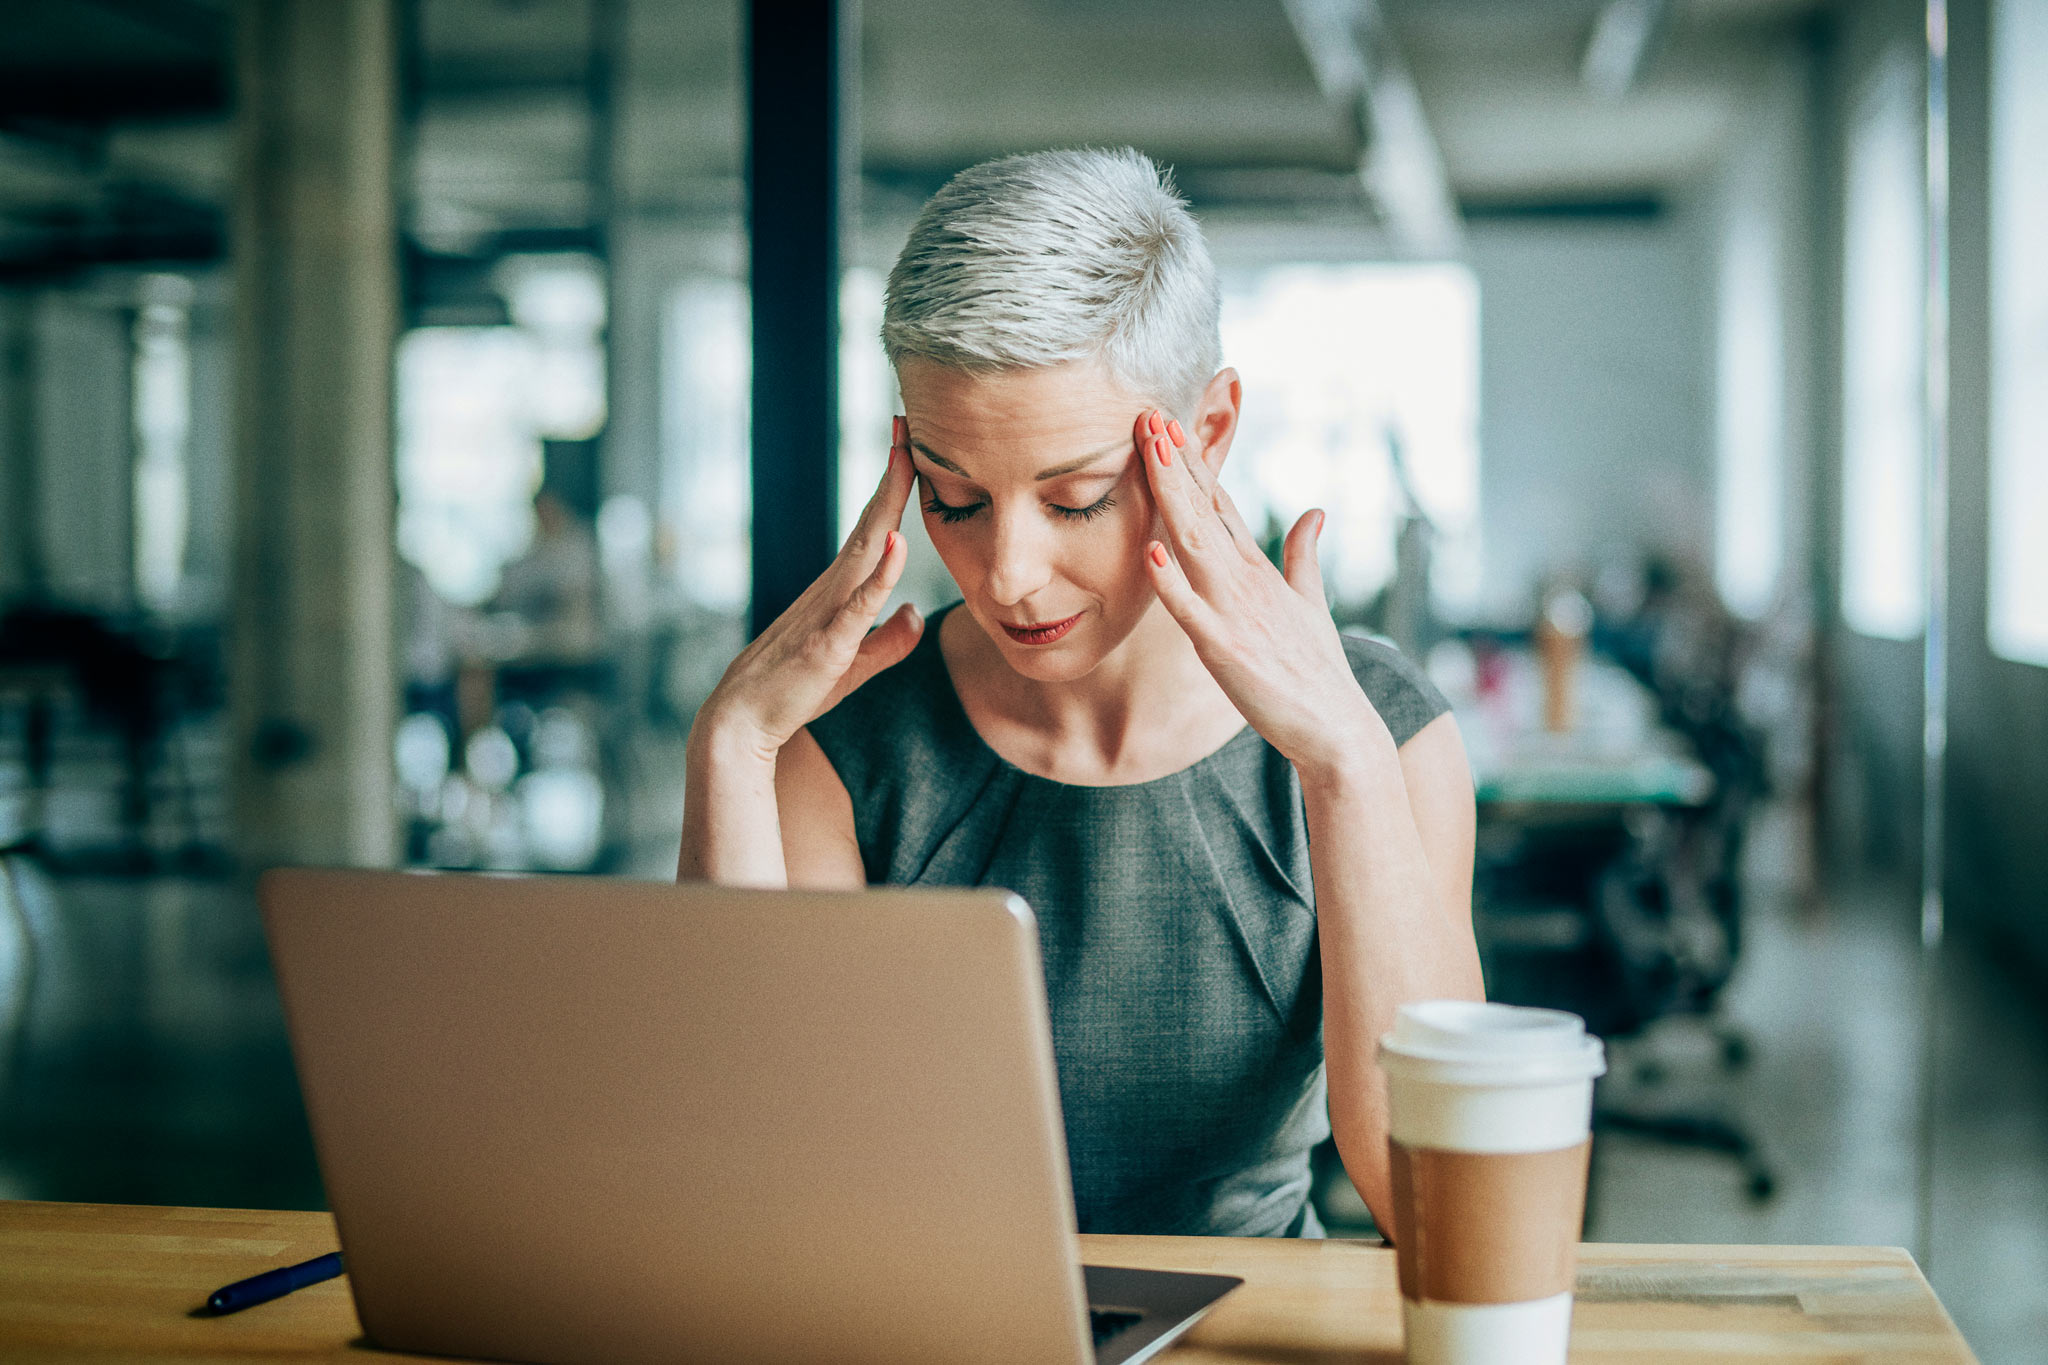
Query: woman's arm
{"type": "Point", "coordinates": [810, 657]}
{"type": "Point", "coordinates": [1390, 848]}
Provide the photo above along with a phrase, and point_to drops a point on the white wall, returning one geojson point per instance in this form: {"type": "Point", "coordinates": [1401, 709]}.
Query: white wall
{"type": "Point", "coordinates": [1595, 398]}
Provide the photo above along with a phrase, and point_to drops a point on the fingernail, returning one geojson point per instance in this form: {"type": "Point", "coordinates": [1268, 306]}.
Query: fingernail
{"type": "Point", "coordinates": [1158, 554]}
{"type": "Point", "coordinates": [899, 431]}
{"type": "Point", "coordinates": [916, 618]}
{"type": "Point", "coordinates": [889, 543]}
{"type": "Point", "coordinates": [1155, 424]}
{"type": "Point", "coordinates": [1165, 452]}
{"type": "Point", "coordinates": [1179, 437]}
{"type": "Point", "coordinates": [1321, 517]}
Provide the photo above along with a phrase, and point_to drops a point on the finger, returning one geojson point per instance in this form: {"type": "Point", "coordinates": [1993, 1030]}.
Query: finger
{"type": "Point", "coordinates": [1183, 603]}
{"type": "Point", "coordinates": [1151, 422]}
{"type": "Point", "coordinates": [1200, 541]}
{"type": "Point", "coordinates": [1233, 520]}
{"type": "Point", "coordinates": [1298, 559]}
{"type": "Point", "coordinates": [850, 623]}
{"type": "Point", "coordinates": [1214, 493]}
{"type": "Point", "coordinates": [885, 646]}
{"type": "Point", "coordinates": [884, 510]}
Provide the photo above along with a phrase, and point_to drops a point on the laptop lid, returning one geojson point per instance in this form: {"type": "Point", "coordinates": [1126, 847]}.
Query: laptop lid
{"type": "Point", "coordinates": [571, 1119]}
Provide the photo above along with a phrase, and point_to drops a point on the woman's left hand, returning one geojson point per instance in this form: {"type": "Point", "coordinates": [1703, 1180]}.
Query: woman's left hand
{"type": "Point", "coordinates": [1264, 633]}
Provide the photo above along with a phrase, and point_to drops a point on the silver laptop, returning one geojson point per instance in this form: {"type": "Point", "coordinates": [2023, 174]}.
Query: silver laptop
{"type": "Point", "coordinates": [567, 1120]}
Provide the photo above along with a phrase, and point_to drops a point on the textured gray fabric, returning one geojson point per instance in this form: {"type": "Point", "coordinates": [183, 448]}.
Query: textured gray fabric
{"type": "Point", "coordinates": [1178, 928]}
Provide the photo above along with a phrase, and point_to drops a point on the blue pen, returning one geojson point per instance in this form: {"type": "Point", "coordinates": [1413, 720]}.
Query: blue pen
{"type": "Point", "coordinates": [273, 1284]}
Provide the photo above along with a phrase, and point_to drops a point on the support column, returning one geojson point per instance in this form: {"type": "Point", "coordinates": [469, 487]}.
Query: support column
{"type": "Point", "coordinates": [800, 158]}
{"type": "Point", "coordinates": [313, 682]}
{"type": "Point", "coordinates": [22, 570]}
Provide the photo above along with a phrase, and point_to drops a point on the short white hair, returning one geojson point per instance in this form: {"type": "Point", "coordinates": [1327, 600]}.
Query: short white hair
{"type": "Point", "coordinates": [1036, 260]}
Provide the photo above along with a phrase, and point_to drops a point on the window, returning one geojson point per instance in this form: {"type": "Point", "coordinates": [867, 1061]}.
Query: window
{"type": "Point", "coordinates": [1749, 497]}
{"type": "Point", "coordinates": [162, 406]}
{"type": "Point", "coordinates": [867, 392]}
{"type": "Point", "coordinates": [706, 422]}
{"type": "Point", "coordinates": [474, 405]}
{"type": "Point", "coordinates": [2018, 605]}
{"type": "Point", "coordinates": [1362, 397]}
{"type": "Point", "coordinates": [1883, 384]}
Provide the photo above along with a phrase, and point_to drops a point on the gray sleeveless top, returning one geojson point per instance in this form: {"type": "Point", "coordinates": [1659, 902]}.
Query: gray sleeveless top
{"type": "Point", "coordinates": [1178, 928]}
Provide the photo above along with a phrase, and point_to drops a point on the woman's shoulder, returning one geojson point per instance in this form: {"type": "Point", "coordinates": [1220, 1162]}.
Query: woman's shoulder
{"type": "Point", "coordinates": [1396, 685]}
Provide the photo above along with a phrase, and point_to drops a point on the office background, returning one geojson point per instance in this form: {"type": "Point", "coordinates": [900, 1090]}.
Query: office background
{"type": "Point", "coordinates": [403, 418]}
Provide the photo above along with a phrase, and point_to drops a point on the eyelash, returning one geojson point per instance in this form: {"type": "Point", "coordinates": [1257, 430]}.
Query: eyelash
{"type": "Point", "coordinates": [948, 513]}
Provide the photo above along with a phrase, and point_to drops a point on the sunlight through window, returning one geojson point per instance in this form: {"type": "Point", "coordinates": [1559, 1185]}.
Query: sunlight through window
{"type": "Point", "coordinates": [2019, 335]}
{"type": "Point", "coordinates": [1883, 389]}
{"type": "Point", "coordinates": [1361, 397]}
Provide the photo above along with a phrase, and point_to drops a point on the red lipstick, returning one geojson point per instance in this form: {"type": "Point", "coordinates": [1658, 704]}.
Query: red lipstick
{"type": "Point", "coordinates": [1043, 634]}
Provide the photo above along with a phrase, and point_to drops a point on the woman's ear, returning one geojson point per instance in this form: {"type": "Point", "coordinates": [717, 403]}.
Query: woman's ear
{"type": "Point", "coordinates": [1216, 417]}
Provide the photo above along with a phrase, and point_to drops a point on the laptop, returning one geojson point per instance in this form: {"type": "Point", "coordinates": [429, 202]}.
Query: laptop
{"type": "Point", "coordinates": [566, 1120]}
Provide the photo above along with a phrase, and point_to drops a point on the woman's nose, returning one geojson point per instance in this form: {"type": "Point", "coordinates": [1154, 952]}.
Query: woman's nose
{"type": "Point", "coordinates": [1019, 565]}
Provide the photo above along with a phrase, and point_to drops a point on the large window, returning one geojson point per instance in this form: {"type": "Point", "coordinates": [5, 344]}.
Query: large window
{"type": "Point", "coordinates": [1749, 494]}
{"type": "Point", "coordinates": [2019, 332]}
{"type": "Point", "coordinates": [162, 407]}
{"type": "Point", "coordinates": [1361, 397]}
{"type": "Point", "coordinates": [474, 407]}
{"type": "Point", "coordinates": [1883, 335]}
{"type": "Point", "coordinates": [707, 493]}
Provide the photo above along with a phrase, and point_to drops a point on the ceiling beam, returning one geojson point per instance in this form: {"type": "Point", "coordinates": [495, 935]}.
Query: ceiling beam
{"type": "Point", "coordinates": [1359, 69]}
{"type": "Point", "coordinates": [1614, 50]}
{"type": "Point", "coordinates": [103, 95]}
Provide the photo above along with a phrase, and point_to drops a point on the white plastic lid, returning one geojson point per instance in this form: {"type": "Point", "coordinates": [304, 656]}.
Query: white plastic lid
{"type": "Point", "coordinates": [1464, 1042]}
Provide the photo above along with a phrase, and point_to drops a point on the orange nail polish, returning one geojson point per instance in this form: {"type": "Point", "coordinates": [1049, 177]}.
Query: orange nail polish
{"type": "Point", "coordinates": [889, 543]}
{"type": "Point", "coordinates": [1159, 554]}
{"type": "Point", "coordinates": [1179, 437]}
{"type": "Point", "coordinates": [1164, 451]}
{"type": "Point", "coordinates": [1155, 424]}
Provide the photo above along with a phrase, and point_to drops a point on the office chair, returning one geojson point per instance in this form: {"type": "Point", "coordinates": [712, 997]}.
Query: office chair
{"type": "Point", "coordinates": [1627, 916]}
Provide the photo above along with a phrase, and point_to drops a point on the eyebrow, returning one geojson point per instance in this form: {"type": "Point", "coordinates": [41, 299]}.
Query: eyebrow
{"type": "Point", "coordinates": [1041, 476]}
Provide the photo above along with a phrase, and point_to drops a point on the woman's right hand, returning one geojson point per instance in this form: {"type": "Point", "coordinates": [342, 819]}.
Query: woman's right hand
{"type": "Point", "coordinates": [822, 648]}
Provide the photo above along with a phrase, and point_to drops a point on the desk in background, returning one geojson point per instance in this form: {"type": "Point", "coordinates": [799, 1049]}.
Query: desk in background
{"type": "Point", "coordinates": [107, 1282]}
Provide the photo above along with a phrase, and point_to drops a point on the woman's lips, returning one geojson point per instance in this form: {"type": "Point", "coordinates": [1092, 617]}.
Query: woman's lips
{"type": "Point", "coordinates": [1043, 634]}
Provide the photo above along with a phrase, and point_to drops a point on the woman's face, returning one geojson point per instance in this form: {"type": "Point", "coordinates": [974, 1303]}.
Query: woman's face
{"type": "Point", "coordinates": [1033, 494]}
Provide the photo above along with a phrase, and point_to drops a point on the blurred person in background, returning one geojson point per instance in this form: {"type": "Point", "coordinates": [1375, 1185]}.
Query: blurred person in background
{"type": "Point", "coordinates": [552, 587]}
{"type": "Point", "coordinates": [1247, 839]}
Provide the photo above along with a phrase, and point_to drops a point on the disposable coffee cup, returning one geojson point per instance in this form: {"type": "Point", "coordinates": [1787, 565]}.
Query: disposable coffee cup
{"type": "Point", "coordinates": [1490, 1131]}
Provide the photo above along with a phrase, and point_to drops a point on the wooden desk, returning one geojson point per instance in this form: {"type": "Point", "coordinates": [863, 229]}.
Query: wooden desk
{"type": "Point", "coordinates": [106, 1282]}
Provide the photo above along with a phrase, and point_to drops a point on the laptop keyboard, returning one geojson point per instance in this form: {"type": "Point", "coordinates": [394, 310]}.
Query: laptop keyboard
{"type": "Point", "coordinates": [1108, 1322]}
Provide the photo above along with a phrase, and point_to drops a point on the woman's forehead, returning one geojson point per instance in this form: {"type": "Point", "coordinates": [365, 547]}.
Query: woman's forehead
{"type": "Point", "coordinates": [1016, 422]}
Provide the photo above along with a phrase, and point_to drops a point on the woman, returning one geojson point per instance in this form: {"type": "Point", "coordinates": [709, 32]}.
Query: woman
{"type": "Point", "coordinates": [1247, 839]}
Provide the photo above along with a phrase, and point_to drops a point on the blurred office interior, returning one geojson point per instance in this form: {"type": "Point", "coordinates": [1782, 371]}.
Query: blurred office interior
{"type": "Point", "coordinates": [403, 419]}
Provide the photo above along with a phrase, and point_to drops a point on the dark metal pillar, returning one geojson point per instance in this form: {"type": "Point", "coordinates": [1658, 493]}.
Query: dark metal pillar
{"type": "Point", "coordinates": [22, 572]}
{"type": "Point", "coordinates": [799, 77]}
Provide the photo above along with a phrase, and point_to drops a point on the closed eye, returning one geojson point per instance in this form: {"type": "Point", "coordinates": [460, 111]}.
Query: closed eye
{"type": "Point", "coordinates": [1088, 513]}
{"type": "Point", "coordinates": [949, 513]}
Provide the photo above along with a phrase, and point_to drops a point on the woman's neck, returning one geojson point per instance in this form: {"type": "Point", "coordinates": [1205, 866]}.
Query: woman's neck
{"type": "Point", "coordinates": [1149, 708]}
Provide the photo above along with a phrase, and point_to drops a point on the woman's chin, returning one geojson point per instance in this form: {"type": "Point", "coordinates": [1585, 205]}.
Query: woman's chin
{"type": "Point", "coordinates": [1042, 665]}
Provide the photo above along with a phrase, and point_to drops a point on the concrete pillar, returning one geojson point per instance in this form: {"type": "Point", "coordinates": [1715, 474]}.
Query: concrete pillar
{"type": "Point", "coordinates": [313, 680]}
